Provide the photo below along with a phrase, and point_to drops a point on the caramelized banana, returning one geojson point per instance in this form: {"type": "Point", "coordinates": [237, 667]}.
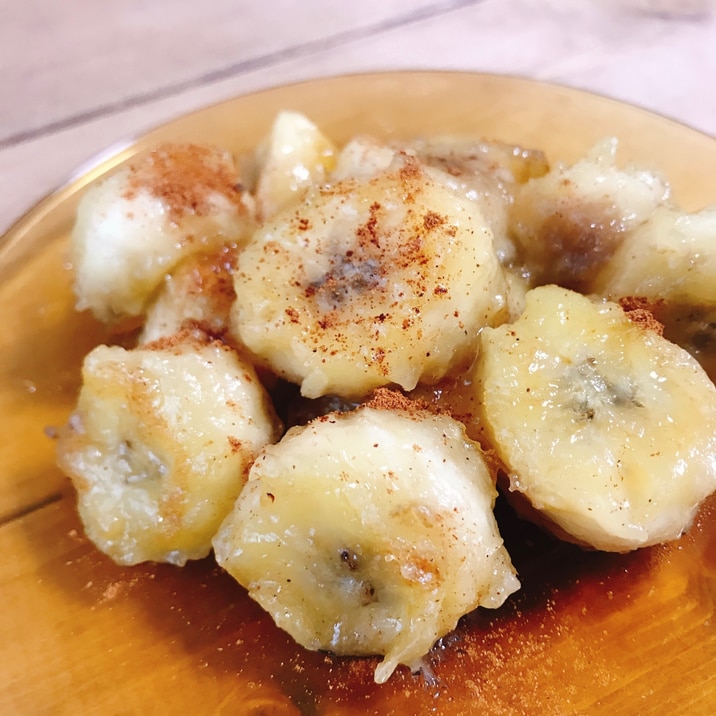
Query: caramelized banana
{"type": "Point", "coordinates": [160, 445]}
{"type": "Point", "coordinates": [199, 292]}
{"type": "Point", "coordinates": [568, 223]}
{"type": "Point", "coordinates": [369, 533]}
{"type": "Point", "coordinates": [363, 158]}
{"type": "Point", "coordinates": [488, 173]}
{"type": "Point", "coordinates": [135, 226]}
{"type": "Point", "coordinates": [603, 426]}
{"type": "Point", "coordinates": [669, 264]}
{"type": "Point", "coordinates": [295, 156]}
{"type": "Point", "coordinates": [372, 282]}
{"type": "Point", "coordinates": [484, 172]}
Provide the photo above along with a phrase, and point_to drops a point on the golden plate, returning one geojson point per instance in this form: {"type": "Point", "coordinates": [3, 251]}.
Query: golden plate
{"type": "Point", "coordinates": [588, 633]}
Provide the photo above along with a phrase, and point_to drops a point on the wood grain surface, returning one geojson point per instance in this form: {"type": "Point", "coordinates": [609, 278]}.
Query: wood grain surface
{"type": "Point", "coordinates": [78, 76]}
{"type": "Point", "coordinates": [587, 634]}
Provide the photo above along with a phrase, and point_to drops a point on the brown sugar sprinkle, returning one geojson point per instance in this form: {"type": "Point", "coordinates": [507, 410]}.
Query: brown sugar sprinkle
{"type": "Point", "coordinates": [432, 220]}
{"type": "Point", "coordinates": [411, 169]}
{"type": "Point", "coordinates": [368, 233]}
{"type": "Point", "coordinates": [190, 335]}
{"type": "Point", "coordinates": [387, 399]}
{"type": "Point", "coordinates": [184, 177]}
{"type": "Point", "coordinates": [235, 444]}
{"type": "Point", "coordinates": [639, 310]}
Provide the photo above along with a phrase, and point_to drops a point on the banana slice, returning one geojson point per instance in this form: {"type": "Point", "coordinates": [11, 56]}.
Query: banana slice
{"type": "Point", "coordinates": [199, 292]}
{"type": "Point", "coordinates": [136, 225]}
{"type": "Point", "coordinates": [486, 172]}
{"type": "Point", "coordinates": [568, 223]}
{"type": "Point", "coordinates": [363, 157]}
{"type": "Point", "coordinates": [604, 426]}
{"type": "Point", "coordinates": [670, 263]}
{"type": "Point", "coordinates": [160, 445]}
{"type": "Point", "coordinates": [295, 156]}
{"type": "Point", "coordinates": [369, 283]}
{"type": "Point", "coordinates": [369, 533]}
{"type": "Point", "coordinates": [474, 160]}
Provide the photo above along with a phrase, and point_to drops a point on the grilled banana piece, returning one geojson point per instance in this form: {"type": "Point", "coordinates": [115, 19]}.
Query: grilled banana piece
{"type": "Point", "coordinates": [136, 225]}
{"type": "Point", "coordinates": [669, 263]}
{"type": "Point", "coordinates": [603, 426]}
{"type": "Point", "coordinates": [369, 283]}
{"type": "Point", "coordinates": [294, 156]}
{"type": "Point", "coordinates": [369, 533]}
{"type": "Point", "coordinates": [569, 222]}
{"type": "Point", "coordinates": [160, 445]}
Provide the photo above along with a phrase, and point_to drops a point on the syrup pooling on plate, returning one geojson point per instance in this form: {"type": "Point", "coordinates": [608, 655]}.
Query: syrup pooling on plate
{"type": "Point", "coordinates": [417, 252]}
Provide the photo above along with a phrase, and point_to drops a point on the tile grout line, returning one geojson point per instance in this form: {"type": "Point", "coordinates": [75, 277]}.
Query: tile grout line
{"type": "Point", "coordinates": [244, 66]}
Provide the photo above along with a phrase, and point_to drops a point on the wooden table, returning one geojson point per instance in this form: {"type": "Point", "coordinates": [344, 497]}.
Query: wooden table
{"type": "Point", "coordinates": [80, 76]}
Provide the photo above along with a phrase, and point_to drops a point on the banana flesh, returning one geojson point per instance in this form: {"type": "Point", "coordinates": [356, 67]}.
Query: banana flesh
{"type": "Point", "coordinates": [569, 222]}
{"type": "Point", "coordinates": [670, 262]}
{"type": "Point", "coordinates": [295, 156]}
{"type": "Point", "coordinates": [137, 224]}
{"type": "Point", "coordinates": [198, 292]}
{"type": "Point", "coordinates": [487, 173]}
{"type": "Point", "coordinates": [160, 445]}
{"type": "Point", "coordinates": [369, 533]}
{"type": "Point", "coordinates": [362, 158]}
{"type": "Point", "coordinates": [484, 172]}
{"type": "Point", "coordinates": [602, 425]}
{"type": "Point", "coordinates": [369, 283]}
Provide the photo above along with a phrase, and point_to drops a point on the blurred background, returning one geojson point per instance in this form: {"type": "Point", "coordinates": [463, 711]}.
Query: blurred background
{"type": "Point", "coordinates": [79, 76]}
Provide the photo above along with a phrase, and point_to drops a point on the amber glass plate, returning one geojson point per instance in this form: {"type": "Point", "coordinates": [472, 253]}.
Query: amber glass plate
{"type": "Point", "coordinates": [588, 633]}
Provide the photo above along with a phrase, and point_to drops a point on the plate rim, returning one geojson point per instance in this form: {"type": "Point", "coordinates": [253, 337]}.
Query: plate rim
{"type": "Point", "coordinates": [115, 152]}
